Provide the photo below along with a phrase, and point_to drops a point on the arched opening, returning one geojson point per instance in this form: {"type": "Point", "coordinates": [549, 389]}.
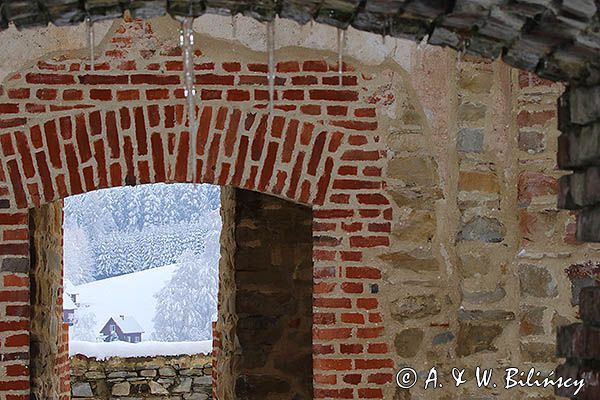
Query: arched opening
{"type": "Point", "coordinates": [262, 335]}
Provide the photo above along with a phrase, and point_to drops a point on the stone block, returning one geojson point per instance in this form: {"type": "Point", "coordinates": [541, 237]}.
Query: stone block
{"type": "Point", "coordinates": [81, 389]}
{"type": "Point", "coordinates": [482, 229]}
{"type": "Point", "coordinates": [584, 103]}
{"type": "Point", "coordinates": [537, 281]}
{"type": "Point", "coordinates": [415, 307]}
{"type": "Point", "coordinates": [408, 342]}
{"type": "Point", "coordinates": [121, 389]}
{"type": "Point", "coordinates": [531, 320]}
{"type": "Point", "coordinates": [589, 305]}
{"type": "Point", "coordinates": [470, 140]}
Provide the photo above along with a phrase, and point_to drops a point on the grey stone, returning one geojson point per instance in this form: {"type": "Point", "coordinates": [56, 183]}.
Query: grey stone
{"type": "Point", "coordinates": [81, 389]}
{"type": "Point", "coordinates": [537, 281]}
{"type": "Point", "coordinates": [167, 371]}
{"type": "Point", "coordinates": [470, 140]}
{"type": "Point", "coordinates": [95, 375]}
{"type": "Point", "coordinates": [184, 386]}
{"type": "Point", "coordinates": [482, 228]}
{"type": "Point", "coordinates": [157, 388]}
{"type": "Point", "coordinates": [148, 372]}
{"type": "Point", "coordinates": [408, 342]}
{"type": "Point", "coordinates": [415, 307]}
{"type": "Point", "coordinates": [484, 297]}
{"type": "Point", "coordinates": [443, 338]}
{"type": "Point", "coordinates": [15, 265]}
{"type": "Point", "coordinates": [121, 389]}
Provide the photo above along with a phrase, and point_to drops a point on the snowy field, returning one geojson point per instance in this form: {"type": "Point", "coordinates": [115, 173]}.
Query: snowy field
{"type": "Point", "coordinates": [104, 350]}
{"type": "Point", "coordinates": [131, 295]}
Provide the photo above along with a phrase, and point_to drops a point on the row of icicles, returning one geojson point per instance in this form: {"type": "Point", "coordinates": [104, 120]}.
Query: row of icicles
{"type": "Point", "coordinates": [186, 41]}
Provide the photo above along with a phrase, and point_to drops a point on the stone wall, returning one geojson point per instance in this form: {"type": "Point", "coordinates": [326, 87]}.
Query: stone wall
{"type": "Point", "coordinates": [437, 237]}
{"type": "Point", "coordinates": [176, 378]}
{"type": "Point", "coordinates": [48, 338]}
{"type": "Point", "coordinates": [265, 318]}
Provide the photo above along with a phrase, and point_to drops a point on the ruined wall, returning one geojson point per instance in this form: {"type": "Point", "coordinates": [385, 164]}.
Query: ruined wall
{"type": "Point", "coordinates": [178, 377]}
{"type": "Point", "coordinates": [266, 288]}
{"type": "Point", "coordinates": [466, 266]}
{"type": "Point", "coordinates": [48, 336]}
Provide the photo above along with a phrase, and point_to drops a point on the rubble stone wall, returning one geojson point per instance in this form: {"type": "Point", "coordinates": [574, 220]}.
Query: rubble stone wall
{"type": "Point", "coordinates": [186, 377]}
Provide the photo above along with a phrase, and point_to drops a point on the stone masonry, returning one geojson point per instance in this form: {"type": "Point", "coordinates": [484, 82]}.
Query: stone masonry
{"type": "Point", "coordinates": [437, 240]}
{"type": "Point", "coordinates": [268, 306]}
{"type": "Point", "coordinates": [148, 378]}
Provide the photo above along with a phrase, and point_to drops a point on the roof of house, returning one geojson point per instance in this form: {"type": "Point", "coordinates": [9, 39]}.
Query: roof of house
{"type": "Point", "coordinates": [68, 302]}
{"type": "Point", "coordinates": [128, 324]}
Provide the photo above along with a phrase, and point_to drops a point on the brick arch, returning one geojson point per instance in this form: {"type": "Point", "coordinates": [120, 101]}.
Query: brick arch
{"type": "Point", "coordinates": [94, 149]}
{"type": "Point", "coordinates": [65, 129]}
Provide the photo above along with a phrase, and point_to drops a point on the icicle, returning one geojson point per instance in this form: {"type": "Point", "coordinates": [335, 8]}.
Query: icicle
{"type": "Point", "coordinates": [91, 41]}
{"type": "Point", "coordinates": [187, 45]}
{"type": "Point", "coordinates": [423, 42]}
{"type": "Point", "coordinates": [271, 73]}
{"type": "Point", "coordinates": [341, 44]}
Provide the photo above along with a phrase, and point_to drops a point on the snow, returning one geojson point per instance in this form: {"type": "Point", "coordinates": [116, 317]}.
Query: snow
{"type": "Point", "coordinates": [128, 324]}
{"type": "Point", "coordinates": [131, 294]}
{"type": "Point", "coordinates": [68, 303]}
{"type": "Point", "coordinates": [104, 350]}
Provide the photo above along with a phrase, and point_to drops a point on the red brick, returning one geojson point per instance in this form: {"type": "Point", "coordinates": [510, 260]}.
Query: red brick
{"type": "Point", "coordinates": [264, 68]}
{"type": "Point", "coordinates": [372, 199]}
{"type": "Point", "coordinates": [232, 66]}
{"type": "Point", "coordinates": [49, 79]}
{"type": "Point", "coordinates": [353, 318]}
{"type": "Point", "coordinates": [378, 348]}
{"type": "Point", "coordinates": [367, 304]}
{"type": "Point", "coordinates": [14, 295]}
{"type": "Point", "coordinates": [6, 108]}
{"type": "Point", "coordinates": [352, 287]}
{"type": "Point", "coordinates": [315, 66]}
{"type": "Point", "coordinates": [351, 348]}
{"type": "Point", "coordinates": [332, 364]}
{"type": "Point", "coordinates": [104, 79]}
{"type": "Point", "coordinates": [25, 153]}
{"type": "Point", "coordinates": [337, 110]}
{"type": "Point", "coordinates": [332, 303]}
{"type": "Point", "coordinates": [128, 95]}
{"type": "Point", "coordinates": [101, 94]}
{"type": "Point", "coordinates": [369, 333]}
{"type": "Point", "coordinates": [367, 393]}
{"type": "Point", "coordinates": [152, 79]}
{"type": "Point", "coordinates": [288, 66]}
{"type": "Point", "coordinates": [290, 141]}
{"type": "Point", "coordinates": [22, 93]}
{"type": "Point", "coordinates": [16, 369]}
{"type": "Point", "coordinates": [323, 349]}
{"type": "Point", "coordinates": [333, 394]}
{"type": "Point", "coordinates": [333, 95]}
{"type": "Point", "coordinates": [157, 94]}
{"type": "Point", "coordinates": [212, 79]}
{"type": "Point", "coordinates": [304, 80]}
{"type": "Point", "coordinates": [373, 364]}
{"type": "Point", "coordinates": [238, 95]}
{"type": "Point", "coordinates": [325, 379]}
{"type": "Point", "coordinates": [324, 318]}
{"type": "Point", "coordinates": [83, 141]}
{"type": "Point", "coordinates": [311, 109]}
{"type": "Point", "coordinates": [268, 165]}
{"type": "Point", "coordinates": [330, 334]}
{"type": "Point", "coordinates": [17, 340]}
{"type": "Point", "coordinates": [363, 273]}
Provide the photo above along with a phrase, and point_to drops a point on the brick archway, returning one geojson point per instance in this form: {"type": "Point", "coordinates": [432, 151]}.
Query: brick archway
{"type": "Point", "coordinates": [125, 122]}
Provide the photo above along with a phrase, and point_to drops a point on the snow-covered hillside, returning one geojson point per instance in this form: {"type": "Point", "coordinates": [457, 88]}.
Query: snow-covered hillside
{"type": "Point", "coordinates": [132, 295]}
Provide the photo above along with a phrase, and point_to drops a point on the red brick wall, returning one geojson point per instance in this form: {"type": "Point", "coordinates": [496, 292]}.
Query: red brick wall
{"type": "Point", "coordinates": [66, 130]}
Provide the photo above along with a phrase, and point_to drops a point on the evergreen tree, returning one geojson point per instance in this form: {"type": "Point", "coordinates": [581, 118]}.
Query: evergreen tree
{"type": "Point", "coordinates": [187, 305]}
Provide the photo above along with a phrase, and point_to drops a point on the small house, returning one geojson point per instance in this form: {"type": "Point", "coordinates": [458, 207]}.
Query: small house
{"type": "Point", "coordinates": [122, 328]}
{"type": "Point", "coordinates": [69, 308]}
